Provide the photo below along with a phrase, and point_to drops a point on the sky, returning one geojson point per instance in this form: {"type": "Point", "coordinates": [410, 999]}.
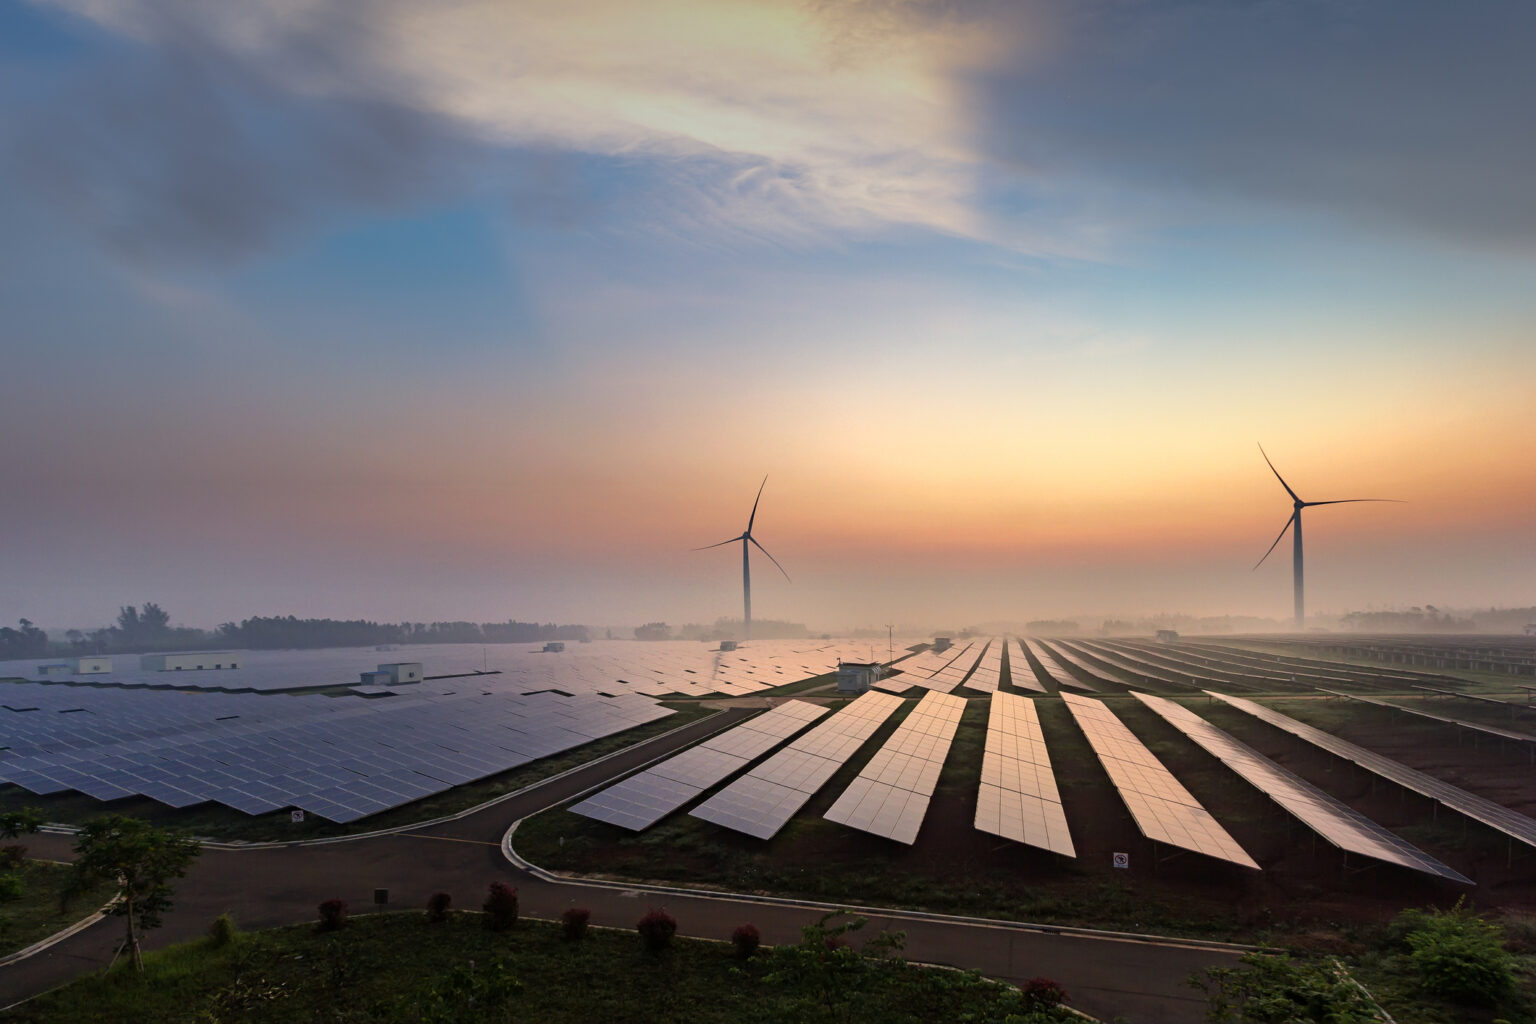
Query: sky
{"type": "Point", "coordinates": [486, 310]}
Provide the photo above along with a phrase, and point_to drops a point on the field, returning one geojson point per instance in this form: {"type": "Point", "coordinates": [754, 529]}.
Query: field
{"type": "Point", "coordinates": [400, 967]}
{"type": "Point", "coordinates": [37, 913]}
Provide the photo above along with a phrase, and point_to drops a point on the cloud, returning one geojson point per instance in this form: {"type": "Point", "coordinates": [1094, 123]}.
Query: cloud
{"type": "Point", "coordinates": [1376, 112]}
{"type": "Point", "coordinates": [767, 118]}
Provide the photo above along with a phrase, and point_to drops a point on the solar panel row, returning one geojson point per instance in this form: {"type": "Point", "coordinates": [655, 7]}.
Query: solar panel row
{"type": "Point", "coordinates": [762, 801]}
{"type": "Point", "coordinates": [1164, 810]}
{"type": "Point", "coordinates": [1018, 799]}
{"type": "Point", "coordinates": [642, 799]}
{"type": "Point", "coordinates": [890, 796]}
{"type": "Point", "coordinates": [1332, 819]}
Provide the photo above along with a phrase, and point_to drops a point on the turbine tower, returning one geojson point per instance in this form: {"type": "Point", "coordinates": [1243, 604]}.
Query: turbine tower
{"type": "Point", "coordinates": [1295, 521]}
{"type": "Point", "coordinates": [747, 539]}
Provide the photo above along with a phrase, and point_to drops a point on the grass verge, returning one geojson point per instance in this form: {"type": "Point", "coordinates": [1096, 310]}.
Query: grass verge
{"type": "Point", "coordinates": [37, 913]}
{"type": "Point", "coordinates": [400, 967]}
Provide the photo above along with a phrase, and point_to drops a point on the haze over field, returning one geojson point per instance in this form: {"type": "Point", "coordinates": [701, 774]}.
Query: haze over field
{"type": "Point", "coordinates": [487, 310]}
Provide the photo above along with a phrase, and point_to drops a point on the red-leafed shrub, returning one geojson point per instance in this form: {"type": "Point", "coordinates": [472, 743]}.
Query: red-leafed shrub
{"type": "Point", "coordinates": [437, 906]}
{"type": "Point", "coordinates": [656, 929]}
{"type": "Point", "coordinates": [746, 938]}
{"type": "Point", "coordinates": [573, 923]}
{"type": "Point", "coordinates": [333, 914]}
{"type": "Point", "coordinates": [500, 907]}
{"type": "Point", "coordinates": [1043, 993]}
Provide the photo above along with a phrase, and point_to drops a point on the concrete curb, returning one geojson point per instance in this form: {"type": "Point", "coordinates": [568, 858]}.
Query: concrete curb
{"type": "Point", "coordinates": [891, 912]}
{"type": "Point", "coordinates": [57, 937]}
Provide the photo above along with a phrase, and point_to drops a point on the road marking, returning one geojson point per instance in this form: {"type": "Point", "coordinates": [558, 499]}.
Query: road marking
{"type": "Point", "coordinates": [453, 839]}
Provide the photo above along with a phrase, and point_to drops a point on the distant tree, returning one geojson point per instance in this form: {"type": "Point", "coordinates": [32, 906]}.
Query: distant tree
{"type": "Point", "coordinates": [76, 639]}
{"type": "Point", "coordinates": [128, 625]}
{"type": "Point", "coordinates": [142, 860]}
{"type": "Point", "coordinates": [653, 631]}
{"type": "Point", "coordinates": [154, 621]}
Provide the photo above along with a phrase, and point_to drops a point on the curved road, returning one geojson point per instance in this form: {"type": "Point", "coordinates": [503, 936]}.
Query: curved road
{"type": "Point", "coordinates": [1138, 981]}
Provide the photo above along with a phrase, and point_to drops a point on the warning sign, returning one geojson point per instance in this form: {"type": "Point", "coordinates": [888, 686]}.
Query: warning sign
{"type": "Point", "coordinates": [1122, 860]}
{"type": "Point", "coordinates": [295, 816]}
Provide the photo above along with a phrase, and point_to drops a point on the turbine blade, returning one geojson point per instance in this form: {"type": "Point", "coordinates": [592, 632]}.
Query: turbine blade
{"type": "Point", "coordinates": [753, 518]}
{"type": "Point", "coordinates": [1346, 501]}
{"type": "Point", "coordinates": [1276, 544]}
{"type": "Point", "coordinates": [775, 561]}
{"type": "Point", "coordinates": [722, 544]}
{"type": "Point", "coordinates": [1275, 471]}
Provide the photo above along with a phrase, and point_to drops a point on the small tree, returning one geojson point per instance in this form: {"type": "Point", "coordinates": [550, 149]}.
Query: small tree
{"type": "Point", "coordinates": [573, 923]}
{"type": "Point", "coordinates": [437, 906]}
{"type": "Point", "coordinates": [142, 860]}
{"type": "Point", "coordinates": [333, 914]}
{"type": "Point", "coordinates": [15, 824]}
{"type": "Point", "coordinates": [500, 907]}
{"type": "Point", "coordinates": [1458, 955]}
{"type": "Point", "coordinates": [746, 938]}
{"type": "Point", "coordinates": [656, 929]}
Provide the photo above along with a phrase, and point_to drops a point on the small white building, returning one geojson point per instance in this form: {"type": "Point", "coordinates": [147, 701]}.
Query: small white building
{"type": "Point", "coordinates": [857, 676]}
{"type": "Point", "coordinates": [191, 661]}
{"type": "Point", "coordinates": [375, 678]}
{"type": "Point", "coordinates": [942, 643]}
{"type": "Point", "coordinates": [1167, 636]}
{"type": "Point", "coordinates": [727, 645]}
{"type": "Point", "coordinates": [402, 672]}
{"type": "Point", "coordinates": [554, 647]}
{"type": "Point", "coordinates": [92, 665]}
{"type": "Point", "coordinates": [54, 669]}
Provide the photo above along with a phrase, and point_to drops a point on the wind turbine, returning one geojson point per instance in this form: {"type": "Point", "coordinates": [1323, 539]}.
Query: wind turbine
{"type": "Point", "coordinates": [747, 539]}
{"type": "Point", "coordinates": [1295, 521]}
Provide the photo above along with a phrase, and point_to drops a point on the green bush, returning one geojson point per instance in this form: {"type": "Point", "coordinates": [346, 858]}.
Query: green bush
{"type": "Point", "coordinates": [1457, 955]}
{"type": "Point", "coordinates": [1279, 990]}
{"type": "Point", "coordinates": [222, 932]}
{"type": "Point", "coordinates": [11, 887]}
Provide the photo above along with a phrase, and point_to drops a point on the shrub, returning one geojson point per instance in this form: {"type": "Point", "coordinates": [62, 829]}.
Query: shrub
{"type": "Point", "coordinates": [656, 929]}
{"type": "Point", "coordinates": [437, 906]}
{"type": "Point", "coordinates": [746, 938]}
{"type": "Point", "coordinates": [1265, 989]}
{"type": "Point", "coordinates": [11, 856]}
{"type": "Point", "coordinates": [500, 907]}
{"type": "Point", "coordinates": [222, 932]}
{"type": "Point", "coordinates": [1043, 994]}
{"type": "Point", "coordinates": [573, 923]}
{"type": "Point", "coordinates": [11, 887]}
{"type": "Point", "coordinates": [333, 914]}
{"type": "Point", "coordinates": [1459, 956]}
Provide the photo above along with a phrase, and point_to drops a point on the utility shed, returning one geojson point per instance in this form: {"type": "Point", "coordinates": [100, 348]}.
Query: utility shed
{"type": "Point", "coordinates": [727, 645]}
{"type": "Point", "coordinates": [54, 669]}
{"type": "Point", "coordinates": [402, 672]}
{"type": "Point", "coordinates": [942, 643]}
{"type": "Point", "coordinates": [554, 647]}
{"type": "Point", "coordinates": [190, 661]}
{"type": "Point", "coordinates": [375, 679]}
{"type": "Point", "coordinates": [93, 665]}
{"type": "Point", "coordinates": [857, 676]}
{"type": "Point", "coordinates": [1167, 636]}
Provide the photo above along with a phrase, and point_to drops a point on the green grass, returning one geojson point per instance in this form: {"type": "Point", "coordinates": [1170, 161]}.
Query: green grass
{"type": "Point", "coordinates": [399, 967]}
{"type": "Point", "coordinates": [37, 913]}
{"type": "Point", "coordinates": [215, 821]}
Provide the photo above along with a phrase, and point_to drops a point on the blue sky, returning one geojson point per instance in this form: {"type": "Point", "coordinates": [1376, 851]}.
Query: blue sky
{"type": "Point", "coordinates": [513, 301]}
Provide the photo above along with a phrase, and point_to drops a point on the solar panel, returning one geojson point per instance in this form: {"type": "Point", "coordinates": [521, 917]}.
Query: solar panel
{"type": "Point", "coordinates": [989, 670]}
{"type": "Point", "coordinates": [1164, 810]}
{"type": "Point", "coordinates": [642, 799]}
{"type": "Point", "coordinates": [1055, 669]}
{"type": "Point", "coordinates": [1513, 824]}
{"type": "Point", "coordinates": [1490, 730]}
{"type": "Point", "coordinates": [762, 801]}
{"type": "Point", "coordinates": [890, 796]}
{"type": "Point", "coordinates": [1017, 798]}
{"type": "Point", "coordinates": [1336, 822]}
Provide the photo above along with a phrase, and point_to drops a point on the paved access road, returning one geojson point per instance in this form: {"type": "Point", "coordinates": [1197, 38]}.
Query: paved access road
{"type": "Point", "coordinates": [1139, 982]}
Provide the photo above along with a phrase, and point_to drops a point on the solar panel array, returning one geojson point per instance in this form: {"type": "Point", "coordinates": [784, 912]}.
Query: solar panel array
{"type": "Point", "coordinates": [762, 801]}
{"type": "Point", "coordinates": [890, 796]}
{"type": "Point", "coordinates": [1490, 730]}
{"type": "Point", "coordinates": [642, 799]}
{"type": "Point", "coordinates": [1021, 673]}
{"type": "Point", "coordinates": [1335, 821]}
{"type": "Point", "coordinates": [989, 671]}
{"type": "Point", "coordinates": [1512, 823]}
{"type": "Point", "coordinates": [1058, 671]}
{"type": "Point", "coordinates": [1164, 810]}
{"type": "Point", "coordinates": [340, 758]}
{"type": "Point", "coordinates": [1018, 799]}
{"type": "Point", "coordinates": [951, 675]}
